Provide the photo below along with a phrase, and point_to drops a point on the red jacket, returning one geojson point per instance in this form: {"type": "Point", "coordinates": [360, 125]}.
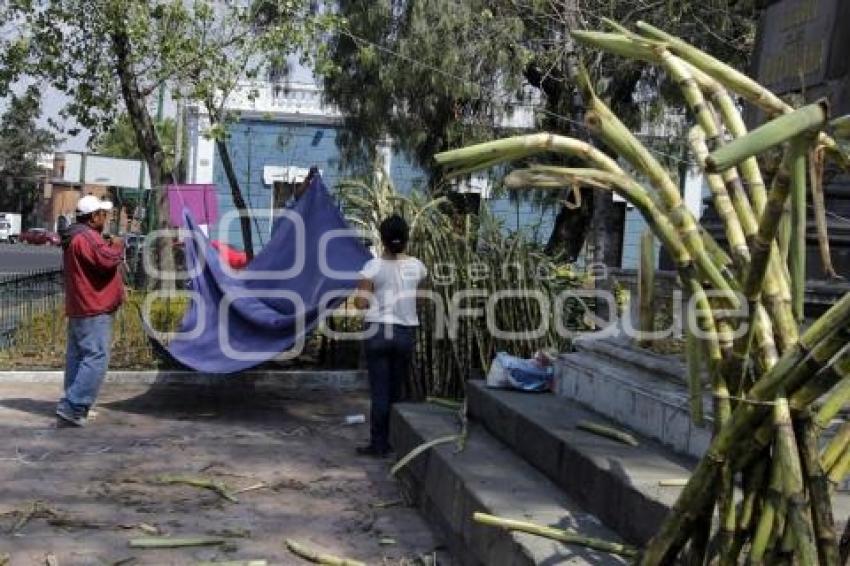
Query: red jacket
{"type": "Point", "coordinates": [93, 283]}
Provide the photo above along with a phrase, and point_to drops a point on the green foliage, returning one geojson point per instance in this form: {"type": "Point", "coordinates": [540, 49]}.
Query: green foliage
{"type": "Point", "coordinates": [21, 142]}
{"type": "Point", "coordinates": [212, 46]}
{"type": "Point", "coordinates": [434, 75]}
{"type": "Point", "coordinates": [100, 52]}
{"type": "Point", "coordinates": [465, 52]}
{"type": "Point", "coordinates": [199, 49]}
{"type": "Point", "coordinates": [441, 74]}
{"type": "Point", "coordinates": [120, 140]}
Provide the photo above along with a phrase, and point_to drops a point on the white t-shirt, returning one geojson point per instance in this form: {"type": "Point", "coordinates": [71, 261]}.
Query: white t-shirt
{"type": "Point", "coordinates": [395, 282]}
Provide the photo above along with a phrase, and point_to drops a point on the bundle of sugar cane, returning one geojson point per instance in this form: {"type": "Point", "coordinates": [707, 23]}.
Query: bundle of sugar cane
{"type": "Point", "coordinates": [766, 372]}
{"type": "Point", "coordinates": [471, 258]}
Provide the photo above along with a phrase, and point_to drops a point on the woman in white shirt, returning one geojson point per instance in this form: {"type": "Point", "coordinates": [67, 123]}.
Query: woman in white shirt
{"type": "Point", "coordinates": [387, 289]}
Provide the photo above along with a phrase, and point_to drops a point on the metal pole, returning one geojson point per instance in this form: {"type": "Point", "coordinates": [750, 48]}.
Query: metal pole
{"type": "Point", "coordinates": [159, 103]}
{"type": "Point", "coordinates": [178, 142]}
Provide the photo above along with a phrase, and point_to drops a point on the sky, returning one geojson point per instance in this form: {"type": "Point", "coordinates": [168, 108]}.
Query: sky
{"type": "Point", "coordinates": [52, 103]}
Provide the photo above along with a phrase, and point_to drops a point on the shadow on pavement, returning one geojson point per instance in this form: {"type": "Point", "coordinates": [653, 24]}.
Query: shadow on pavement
{"type": "Point", "coordinates": [32, 406]}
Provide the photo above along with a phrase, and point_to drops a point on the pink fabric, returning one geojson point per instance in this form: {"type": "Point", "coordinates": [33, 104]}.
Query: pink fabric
{"type": "Point", "coordinates": [200, 200]}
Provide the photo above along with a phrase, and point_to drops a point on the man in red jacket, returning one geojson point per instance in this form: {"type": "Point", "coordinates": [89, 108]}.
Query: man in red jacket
{"type": "Point", "coordinates": [93, 292]}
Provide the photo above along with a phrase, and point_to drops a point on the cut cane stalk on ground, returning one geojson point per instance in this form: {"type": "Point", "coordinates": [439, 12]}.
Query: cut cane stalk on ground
{"type": "Point", "coordinates": [199, 482]}
{"type": "Point", "coordinates": [166, 542]}
{"type": "Point", "coordinates": [319, 557]}
{"type": "Point", "coordinates": [407, 458]}
{"type": "Point", "coordinates": [555, 534]}
{"type": "Point", "coordinates": [608, 432]}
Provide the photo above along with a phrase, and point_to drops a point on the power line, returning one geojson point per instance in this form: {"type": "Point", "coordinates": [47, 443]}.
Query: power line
{"type": "Point", "coordinates": [506, 102]}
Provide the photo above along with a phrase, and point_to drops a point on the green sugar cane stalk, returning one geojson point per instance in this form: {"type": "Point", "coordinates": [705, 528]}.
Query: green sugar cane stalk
{"type": "Point", "coordinates": [646, 284]}
{"type": "Point", "coordinates": [793, 488]}
{"type": "Point", "coordinates": [609, 128]}
{"type": "Point", "coordinates": [722, 202]}
{"type": "Point", "coordinates": [775, 294]}
{"type": "Point", "coordinates": [818, 488]}
{"type": "Point", "coordinates": [795, 366]}
{"type": "Point", "coordinates": [778, 131]}
{"type": "Point", "coordinates": [734, 80]}
{"type": "Point", "coordinates": [761, 247]}
{"type": "Point", "coordinates": [770, 505]}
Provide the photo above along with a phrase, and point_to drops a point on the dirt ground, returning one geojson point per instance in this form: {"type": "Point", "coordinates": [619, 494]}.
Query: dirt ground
{"type": "Point", "coordinates": [78, 496]}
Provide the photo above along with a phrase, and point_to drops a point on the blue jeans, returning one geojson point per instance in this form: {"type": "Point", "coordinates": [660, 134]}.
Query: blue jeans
{"type": "Point", "coordinates": [388, 358]}
{"type": "Point", "coordinates": [86, 360]}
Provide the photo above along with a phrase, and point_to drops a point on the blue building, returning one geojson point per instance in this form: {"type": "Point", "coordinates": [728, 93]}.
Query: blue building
{"type": "Point", "coordinates": [282, 131]}
{"type": "Point", "coordinates": [280, 134]}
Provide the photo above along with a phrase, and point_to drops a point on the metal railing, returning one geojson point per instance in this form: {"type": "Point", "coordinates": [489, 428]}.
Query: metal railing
{"type": "Point", "coordinates": [24, 296]}
{"type": "Point", "coordinates": [33, 329]}
{"type": "Point", "coordinates": [33, 326]}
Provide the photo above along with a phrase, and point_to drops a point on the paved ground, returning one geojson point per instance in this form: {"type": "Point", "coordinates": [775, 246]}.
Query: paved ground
{"type": "Point", "coordinates": [100, 486]}
{"type": "Point", "coordinates": [20, 258]}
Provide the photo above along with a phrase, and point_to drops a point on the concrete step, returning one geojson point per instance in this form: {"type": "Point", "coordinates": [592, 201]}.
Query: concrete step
{"type": "Point", "coordinates": [616, 482]}
{"type": "Point", "coordinates": [626, 354]}
{"type": "Point", "coordinates": [619, 484]}
{"type": "Point", "coordinates": [486, 476]}
{"type": "Point", "coordinates": [645, 392]}
{"type": "Point", "coordinates": [643, 399]}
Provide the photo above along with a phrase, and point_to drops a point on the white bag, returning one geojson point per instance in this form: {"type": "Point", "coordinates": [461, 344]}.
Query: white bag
{"type": "Point", "coordinates": [499, 376]}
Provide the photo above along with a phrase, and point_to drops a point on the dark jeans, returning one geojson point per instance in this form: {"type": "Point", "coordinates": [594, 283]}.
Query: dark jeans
{"type": "Point", "coordinates": [388, 356]}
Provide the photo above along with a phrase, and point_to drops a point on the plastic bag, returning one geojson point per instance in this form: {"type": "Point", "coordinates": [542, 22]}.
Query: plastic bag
{"type": "Point", "coordinates": [519, 373]}
{"type": "Point", "coordinates": [498, 377]}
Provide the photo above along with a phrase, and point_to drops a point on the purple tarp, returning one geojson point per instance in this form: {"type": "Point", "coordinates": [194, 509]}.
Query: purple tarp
{"type": "Point", "coordinates": [200, 200]}
{"type": "Point", "coordinates": [257, 325]}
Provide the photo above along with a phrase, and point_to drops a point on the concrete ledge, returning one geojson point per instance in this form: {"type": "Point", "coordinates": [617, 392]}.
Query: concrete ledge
{"type": "Point", "coordinates": [486, 476]}
{"type": "Point", "coordinates": [635, 397]}
{"type": "Point", "coordinates": [625, 353]}
{"type": "Point", "coordinates": [616, 482]}
{"type": "Point", "coordinates": [642, 390]}
{"type": "Point", "coordinates": [343, 380]}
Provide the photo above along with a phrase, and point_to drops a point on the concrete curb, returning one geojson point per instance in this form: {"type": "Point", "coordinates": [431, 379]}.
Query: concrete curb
{"type": "Point", "coordinates": [342, 380]}
{"type": "Point", "coordinates": [617, 483]}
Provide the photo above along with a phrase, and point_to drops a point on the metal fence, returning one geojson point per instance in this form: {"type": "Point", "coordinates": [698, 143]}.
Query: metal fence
{"type": "Point", "coordinates": [33, 329]}
{"type": "Point", "coordinates": [22, 297]}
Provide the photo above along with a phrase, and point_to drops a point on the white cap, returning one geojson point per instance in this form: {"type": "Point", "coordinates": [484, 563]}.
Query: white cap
{"type": "Point", "coordinates": [91, 203]}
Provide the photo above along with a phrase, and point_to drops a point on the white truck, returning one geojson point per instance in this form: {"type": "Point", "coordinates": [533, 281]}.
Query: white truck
{"type": "Point", "coordinates": [10, 227]}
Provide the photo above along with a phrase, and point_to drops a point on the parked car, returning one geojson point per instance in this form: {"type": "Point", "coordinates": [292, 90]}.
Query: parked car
{"type": "Point", "coordinates": [40, 237]}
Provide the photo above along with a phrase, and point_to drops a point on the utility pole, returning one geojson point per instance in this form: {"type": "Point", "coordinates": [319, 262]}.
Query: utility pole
{"type": "Point", "coordinates": [154, 199]}
{"type": "Point", "coordinates": [179, 175]}
{"type": "Point", "coordinates": [159, 103]}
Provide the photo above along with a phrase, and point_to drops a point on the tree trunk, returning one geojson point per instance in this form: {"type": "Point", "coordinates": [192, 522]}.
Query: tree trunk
{"type": "Point", "coordinates": [571, 227]}
{"type": "Point", "coordinates": [602, 234]}
{"type": "Point", "coordinates": [149, 145]}
{"type": "Point", "coordinates": [592, 220]}
{"type": "Point", "coordinates": [238, 200]}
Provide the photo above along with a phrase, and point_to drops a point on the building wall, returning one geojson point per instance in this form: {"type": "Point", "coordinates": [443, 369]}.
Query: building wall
{"type": "Point", "coordinates": [695, 192]}
{"type": "Point", "coordinates": [256, 143]}
{"type": "Point", "coordinates": [519, 214]}
{"type": "Point", "coordinates": [61, 201]}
